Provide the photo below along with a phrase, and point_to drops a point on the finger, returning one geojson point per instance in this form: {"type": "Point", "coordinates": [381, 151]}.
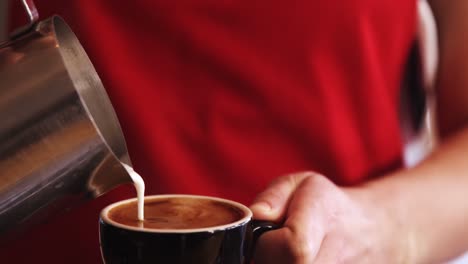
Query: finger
{"type": "Point", "coordinates": [272, 203]}
{"type": "Point", "coordinates": [305, 227]}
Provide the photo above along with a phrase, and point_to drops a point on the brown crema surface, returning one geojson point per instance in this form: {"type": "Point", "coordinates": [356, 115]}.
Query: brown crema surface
{"type": "Point", "coordinates": [177, 213]}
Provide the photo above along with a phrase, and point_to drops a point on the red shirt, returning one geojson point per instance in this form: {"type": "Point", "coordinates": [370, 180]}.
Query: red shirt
{"type": "Point", "coordinates": [221, 97]}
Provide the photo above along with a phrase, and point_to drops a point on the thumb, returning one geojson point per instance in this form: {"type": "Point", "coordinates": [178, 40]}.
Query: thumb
{"type": "Point", "coordinates": [272, 203]}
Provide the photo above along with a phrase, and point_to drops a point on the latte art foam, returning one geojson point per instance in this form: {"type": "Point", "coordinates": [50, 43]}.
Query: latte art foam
{"type": "Point", "coordinates": [177, 213]}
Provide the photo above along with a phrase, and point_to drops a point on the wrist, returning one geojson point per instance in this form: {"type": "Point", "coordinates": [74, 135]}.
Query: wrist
{"type": "Point", "coordinates": [385, 208]}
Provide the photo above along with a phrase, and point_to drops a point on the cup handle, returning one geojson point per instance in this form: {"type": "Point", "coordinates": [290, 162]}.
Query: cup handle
{"type": "Point", "coordinates": [258, 228]}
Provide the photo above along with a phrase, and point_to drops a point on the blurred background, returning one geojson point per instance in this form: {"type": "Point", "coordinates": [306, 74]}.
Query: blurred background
{"type": "Point", "coordinates": [415, 149]}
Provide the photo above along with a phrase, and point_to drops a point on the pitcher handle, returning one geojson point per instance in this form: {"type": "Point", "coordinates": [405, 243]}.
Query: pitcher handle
{"type": "Point", "coordinates": [31, 9]}
{"type": "Point", "coordinates": [33, 16]}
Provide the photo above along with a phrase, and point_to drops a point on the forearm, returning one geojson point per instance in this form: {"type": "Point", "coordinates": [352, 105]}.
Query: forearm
{"type": "Point", "coordinates": [429, 203]}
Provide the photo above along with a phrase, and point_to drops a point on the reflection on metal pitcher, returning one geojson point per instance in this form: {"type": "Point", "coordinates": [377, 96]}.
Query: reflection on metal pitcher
{"type": "Point", "coordinates": [60, 140]}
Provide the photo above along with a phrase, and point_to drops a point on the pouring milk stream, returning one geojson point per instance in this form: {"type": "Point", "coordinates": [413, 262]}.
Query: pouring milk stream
{"type": "Point", "coordinates": [140, 189]}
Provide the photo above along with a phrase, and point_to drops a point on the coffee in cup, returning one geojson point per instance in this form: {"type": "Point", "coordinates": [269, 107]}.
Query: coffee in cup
{"type": "Point", "coordinates": [179, 229]}
{"type": "Point", "coordinates": [177, 213]}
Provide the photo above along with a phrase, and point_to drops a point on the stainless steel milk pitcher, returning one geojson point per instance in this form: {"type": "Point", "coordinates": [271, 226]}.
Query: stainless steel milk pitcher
{"type": "Point", "coordinates": [60, 140]}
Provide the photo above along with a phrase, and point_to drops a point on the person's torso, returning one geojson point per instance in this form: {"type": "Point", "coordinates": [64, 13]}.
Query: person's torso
{"type": "Point", "coordinates": [221, 97]}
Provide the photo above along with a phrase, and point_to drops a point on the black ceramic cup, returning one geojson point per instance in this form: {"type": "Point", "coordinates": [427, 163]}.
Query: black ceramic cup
{"type": "Point", "coordinates": [230, 243]}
